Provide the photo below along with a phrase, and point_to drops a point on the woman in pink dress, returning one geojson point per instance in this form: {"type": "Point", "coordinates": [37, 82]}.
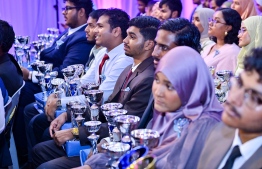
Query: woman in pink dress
{"type": "Point", "coordinates": [223, 27]}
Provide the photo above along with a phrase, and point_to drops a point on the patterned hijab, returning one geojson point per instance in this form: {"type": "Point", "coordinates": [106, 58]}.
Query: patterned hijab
{"type": "Point", "coordinates": [254, 27]}
{"type": "Point", "coordinates": [190, 77]}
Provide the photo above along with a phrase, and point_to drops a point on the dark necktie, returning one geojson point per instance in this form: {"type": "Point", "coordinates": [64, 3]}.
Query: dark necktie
{"type": "Point", "coordinates": [124, 85]}
{"type": "Point", "coordinates": [106, 57]}
{"type": "Point", "coordinates": [234, 154]}
{"type": "Point", "coordinates": [90, 59]}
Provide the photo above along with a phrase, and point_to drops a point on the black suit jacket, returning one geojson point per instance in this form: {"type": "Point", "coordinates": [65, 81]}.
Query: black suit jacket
{"type": "Point", "coordinates": [75, 49]}
{"type": "Point", "coordinates": [10, 73]}
{"type": "Point", "coordinates": [217, 145]}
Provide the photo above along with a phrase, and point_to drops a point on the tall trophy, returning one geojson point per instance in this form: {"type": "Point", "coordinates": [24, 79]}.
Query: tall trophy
{"type": "Point", "coordinates": [146, 137]}
{"type": "Point", "coordinates": [115, 151]}
{"type": "Point", "coordinates": [93, 127]}
{"type": "Point", "coordinates": [94, 97]}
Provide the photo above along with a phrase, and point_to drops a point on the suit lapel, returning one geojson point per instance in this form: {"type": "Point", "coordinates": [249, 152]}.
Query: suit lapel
{"type": "Point", "coordinates": [222, 144]}
{"type": "Point", "coordinates": [254, 161]}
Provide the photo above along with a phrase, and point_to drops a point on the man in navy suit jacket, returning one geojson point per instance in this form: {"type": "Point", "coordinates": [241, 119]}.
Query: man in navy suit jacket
{"type": "Point", "coordinates": [71, 47]}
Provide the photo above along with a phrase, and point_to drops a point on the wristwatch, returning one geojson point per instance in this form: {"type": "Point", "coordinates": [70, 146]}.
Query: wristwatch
{"type": "Point", "coordinates": [75, 132]}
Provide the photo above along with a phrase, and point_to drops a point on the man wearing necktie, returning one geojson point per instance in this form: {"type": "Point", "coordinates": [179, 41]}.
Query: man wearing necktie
{"type": "Point", "coordinates": [237, 142]}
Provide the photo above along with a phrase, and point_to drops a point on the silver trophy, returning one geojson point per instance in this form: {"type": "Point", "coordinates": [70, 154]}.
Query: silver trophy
{"type": "Point", "coordinates": [41, 81]}
{"type": "Point", "coordinates": [78, 111]}
{"type": "Point", "coordinates": [224, 75]}
{"type": "Point", "coordinates": [94, 96]}
{"type": "Point", "coordinates": [68, 73]}
{"type": "Point", "coordinates": [115, 151]}
{"type": "Point", "coordinates": [222, 84]}
{"type": "Point", "coordinates": [126, 123]}
{"type": "Point", "coordinates": [110, 117]}
{"type": "Point", "coordinates": [69, 110]}
{"type": "Point", "coordinates": [89, 86]}
{"type": "Point", "coordinates": [146, 137]}
{"type": "Point", "coordinates": [22, 40]}
{"type": "Point", "coordinates": [57, 83]}
{"type": "Point", "coordinates": [93, 127]}
{"type": "Point", "coordinates": [39, 47]}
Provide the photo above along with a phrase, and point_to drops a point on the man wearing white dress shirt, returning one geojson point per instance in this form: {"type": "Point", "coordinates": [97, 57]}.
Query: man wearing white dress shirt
{"type": "Point", "coordinates": [238, 144]}
{"type": "Point", "coordinates": [110, 32]}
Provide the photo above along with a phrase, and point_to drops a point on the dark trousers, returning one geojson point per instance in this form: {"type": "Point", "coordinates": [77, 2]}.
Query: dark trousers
{"type": "Point", "coordinates": [48, 155]}
{"type": "Point", "coordinates": [5, 158]}
{"type": "Point", "coordinates": [37, 128]}
{"type": "Point", "coordinates": [26, 97]}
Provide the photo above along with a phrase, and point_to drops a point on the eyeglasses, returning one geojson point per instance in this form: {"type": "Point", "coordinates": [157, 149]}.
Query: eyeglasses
{"type": "Point", "coordinates": [213, 21]}
{"type": "Point", "coordinates": [241, 31]}
{"type": "Point", "coordinates": [69, 8]}
{"type": "Point", "coordinates": [251, 97]}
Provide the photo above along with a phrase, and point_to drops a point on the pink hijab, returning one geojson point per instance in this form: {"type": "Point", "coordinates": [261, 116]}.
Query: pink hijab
{"type": "Point", "coordinates": [190, 77]}
{"type": "Point", "coordinates": [248, 8]}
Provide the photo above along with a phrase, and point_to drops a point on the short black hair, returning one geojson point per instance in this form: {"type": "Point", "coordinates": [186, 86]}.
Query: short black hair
{"type": "Point", "coordinates": [7, 36]}
{"type": "Point", "coordinates": [118, 18]}
{"type": "Point", "coordinates": [186, 34]}
{"type": "Point", "coordinates": [254, 62]}
{"type": "Point", "coordinates": [173, 5]}
{"type": "Point", "coordinates": [86, 4]}
{"type": "Point", "coordinates": [233, 19]}
{"type": "Point", "coordinates": [147, 25]}
{"type": "Point", "coordinates": [220, 2]}
{"type": "Point", "coordinates": [144, 1]}
{"type": "Point", "coordinates": [95, 14]}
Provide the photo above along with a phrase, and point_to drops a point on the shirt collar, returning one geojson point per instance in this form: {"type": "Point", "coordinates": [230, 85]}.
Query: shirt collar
{"type": "Point", "coordinates": [73, 30]}
{"type": "Point", "coordinates": [134, 67]}
{"type": "Point", "coordinates": [249, 148]}
{"type": "Point", "coordinates": [117, 50]}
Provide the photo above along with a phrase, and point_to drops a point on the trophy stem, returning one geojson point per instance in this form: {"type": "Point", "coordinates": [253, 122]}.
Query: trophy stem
{"type": "Point", "coordinates": [93, 139]}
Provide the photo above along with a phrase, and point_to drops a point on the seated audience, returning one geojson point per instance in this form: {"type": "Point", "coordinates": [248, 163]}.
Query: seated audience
{"type": "Point", "coordinates": [139, 45]}
{"type": "Point", "coordinates": [245, 8]}
{"type": "Point", "coordinates": [215, 4]}
{"type": "Point", "coordinates": [71, 47]}
{"type": "Point", "coordinates": [237, 142]}
{"type": "Point", "coordinates": [183, 90]}
{"type": "Point", "coordinates": [249, 37]}
{"type": "Point", "coordinates": [200, 20]}
{"type": "Point", "coordinates": [224, 29]}
{"type": "Point", "coordinates": [170, 9]}
{"type": "Point", "coordinates": [172, 33]}
{"type": "Point", "coordinates": [112, 24]}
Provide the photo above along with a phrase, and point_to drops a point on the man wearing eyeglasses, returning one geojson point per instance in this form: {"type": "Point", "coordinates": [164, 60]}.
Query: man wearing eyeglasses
{"type": "Point", "coordinates": [71, 47]}
{"type": "Point", "coordinates": [237, 143]}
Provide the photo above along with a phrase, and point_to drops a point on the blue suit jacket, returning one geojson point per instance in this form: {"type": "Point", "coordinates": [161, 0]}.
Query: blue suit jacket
{"type": "Point", "coordinates": [4, 91]}
{"type": "Point", "coordinates": [75, 49]}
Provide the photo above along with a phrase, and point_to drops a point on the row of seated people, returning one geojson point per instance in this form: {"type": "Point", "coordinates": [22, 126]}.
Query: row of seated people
{"type": "Point", "coordinates": [159, 50]}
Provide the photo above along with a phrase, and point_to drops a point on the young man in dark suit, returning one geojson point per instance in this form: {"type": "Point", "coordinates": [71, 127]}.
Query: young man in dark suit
{"type": "Point", "coordinates": [237, 142]}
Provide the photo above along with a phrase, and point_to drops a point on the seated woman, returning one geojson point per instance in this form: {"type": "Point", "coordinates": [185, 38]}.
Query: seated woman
{"type": "Point", "coordinates": [245, 8]}
{"type": "Point", "coordinates": [249, 37]}
{"type": "Point", "coordinates": [184, 91]}
{"type": "Point", "coordinates": [224, 29]}
{"type": "Point", "coordinates": [200, 20]}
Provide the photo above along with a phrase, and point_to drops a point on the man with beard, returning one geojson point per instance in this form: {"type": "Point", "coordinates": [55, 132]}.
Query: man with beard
{"type": "Point", "coordinates": [237, 143]}
{"type": "Point", "coordinates": [170, 9]}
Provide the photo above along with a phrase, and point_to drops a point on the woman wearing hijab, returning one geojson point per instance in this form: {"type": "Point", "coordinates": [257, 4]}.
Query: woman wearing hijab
{"type": "Point", "coordinates": [245, 8]}
{"type": "Point", "coordinates": [184, 99]}
{"type": "Point", "coordinates": [224, 29]}
{"type": "Point", "coordinates": [200, 20]}
{"type": "Point", "coordinates": [249, 37]}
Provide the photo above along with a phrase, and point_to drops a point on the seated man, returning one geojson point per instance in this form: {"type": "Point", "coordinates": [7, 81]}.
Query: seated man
{"type": "Point", "coordinates": [10, 71]}
{"type": "Point", "coordinates": [237, 143]}
{"type": "Point", "coordinates": [71, 47]}
{"type": "Point", "coordinates": [172, 33]}
{"type": "Point", "coordinates": [139, 45]}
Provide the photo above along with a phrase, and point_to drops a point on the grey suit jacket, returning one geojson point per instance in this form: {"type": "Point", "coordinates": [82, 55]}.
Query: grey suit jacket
{"type": "Point", "coordinates": [218, 144]}
{"type": "Point", "coordinates": [135, 100]}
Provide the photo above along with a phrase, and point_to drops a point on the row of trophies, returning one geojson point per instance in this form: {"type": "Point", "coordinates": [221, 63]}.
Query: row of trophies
{"type": "Point", "coordinates": [125, 139]}
{"type": "Point", "coordinates": [222, 83]}
{"type": "Point", "coordinates": [26, 53]}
